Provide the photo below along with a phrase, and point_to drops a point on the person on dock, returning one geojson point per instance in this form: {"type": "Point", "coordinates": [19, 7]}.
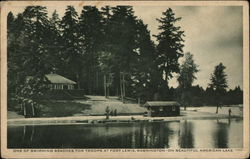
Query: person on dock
{"type": "Point", "coordinates": [115, 112]}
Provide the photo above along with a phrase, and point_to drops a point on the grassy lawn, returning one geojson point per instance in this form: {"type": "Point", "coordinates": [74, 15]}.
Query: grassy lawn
{"type": "Point", "coordinates": [60, 108]}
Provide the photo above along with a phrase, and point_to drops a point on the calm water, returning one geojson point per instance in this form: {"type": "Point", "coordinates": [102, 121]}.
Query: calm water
{"type": "Point", "coordinates": [220, 133]}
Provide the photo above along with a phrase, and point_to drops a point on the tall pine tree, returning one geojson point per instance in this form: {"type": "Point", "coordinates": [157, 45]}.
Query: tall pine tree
{"type": "Point", "coordinates": [72, 50]}
{"type": "Point", "coordinates": [143, 64]}
{"type": "Point", "coordinates": [90, 24]}
{"type": "Point", "coordinates": [54, 42]}
{"type": "Point", "coordinates": [169, 48]}
{"type": "Point", "coordinates": [123, 45]}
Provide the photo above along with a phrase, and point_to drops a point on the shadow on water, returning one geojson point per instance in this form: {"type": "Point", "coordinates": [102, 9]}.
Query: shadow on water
{"type": "Point", "coordinates": [174, 134]}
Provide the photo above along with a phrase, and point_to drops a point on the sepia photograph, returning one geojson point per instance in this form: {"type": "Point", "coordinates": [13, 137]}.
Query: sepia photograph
{"type": "Point", "coordinates": [125, 76]}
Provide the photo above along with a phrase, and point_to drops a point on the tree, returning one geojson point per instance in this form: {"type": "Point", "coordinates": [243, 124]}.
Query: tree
{"type": "Point", "coordinates": [197, 93]}
{"type": "Point", "coordinates": [28, 54]}
{"type": "Point", "coordinates": [10, 20]}
{"type": "Point", "coordinates": [122, 46]}
{"type": "Point", "coordinates": [36, 27]}
{"type": "Point", "coordinates": [186, 78]}
{"type": "Point", "coordinates": [55, 21]}
{"type": "Point", "coordinates": [16, 43]}
{"type": "Point", "coordinates": [54, 42]}
{"type": "Point", "coordinates": [143, 65]}
{"type": "Point", "coordinates": [90, 24]}
{"type": "Point", "coordinates": [11, 49]}
{"type": "Point", "coordinates": [11, 60]}
{"type": "Point", "coordinates": [187, 72]}
{"type": "Point", "coordinates": [170, 45]}
{"type": "Point", "coordinates": [72, 50]}
{"type": "Point", "coordinates": [219, 83]}
{"type": "Point", "coordinates": [234, 96]}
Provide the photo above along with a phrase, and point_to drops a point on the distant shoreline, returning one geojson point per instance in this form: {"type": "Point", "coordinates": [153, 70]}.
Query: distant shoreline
{"type": "Point", "coordinates": [79, 120]}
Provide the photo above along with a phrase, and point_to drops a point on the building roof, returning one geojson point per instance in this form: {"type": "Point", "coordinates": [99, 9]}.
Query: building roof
{"type": "Point", "coordinates": [161, 103]}
{"type": "Point", "coordinates": [58, 79]}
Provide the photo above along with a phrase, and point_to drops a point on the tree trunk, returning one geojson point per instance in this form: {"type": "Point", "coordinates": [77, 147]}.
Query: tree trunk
{"type": "Point", "coordinates": [33, 110]}
{"type": "Point", "coordinates": [21, 106]}
{"type": "Point", "coordinates": [108, 91]}
{"type": "Point", "coordinates": [24, 110]}
{"type": "Point", "coordinates": [97, 85]}
{"type": "Point", "coordinates": [89, 81]}
{"type": "Point", "coordinates": [105, 86]}
{"type": "Point", "coordinates": [78, 80]}
{"type": "Point", "coordinates": [121, 87]}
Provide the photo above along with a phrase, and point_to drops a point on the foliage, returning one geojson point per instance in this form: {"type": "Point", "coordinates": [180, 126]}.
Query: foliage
{"type": "Point", "coordinates": [28, 54]}
{"type": "Point", "coordinates": [91, 33]}
{"type": "Point", "coordinates": [109, 42]}
{"type": "Point", "coordinates": [186, 78]}
{"type": "Point", "coordinates": [219, 83]}
{"type": "Point", "coordinates": [122, 42]}
{"type": "Point", "coordinates": [72, 50]}
{"type": "Point", "coordinates": [187, 72]}
{"type": "Point", "coordinates": [170, 44]}
{"type": "Point", "coordinates": [218, 79]}
{"type": "Point", "coordinates": [54, 41]}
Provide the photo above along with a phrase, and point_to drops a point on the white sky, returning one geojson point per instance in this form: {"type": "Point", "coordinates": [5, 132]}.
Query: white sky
{"type": "Point", "coordinates": [213, 35]}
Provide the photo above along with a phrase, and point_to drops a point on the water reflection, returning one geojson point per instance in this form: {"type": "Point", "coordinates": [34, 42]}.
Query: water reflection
{"type": "Point", "coordinates": [186, 139]}
{"type": "Point", "coordinates": [221, 135]}
{"type": "Point", "coordinates": [174, 134]}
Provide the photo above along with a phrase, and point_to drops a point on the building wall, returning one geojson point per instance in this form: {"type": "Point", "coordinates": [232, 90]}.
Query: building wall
{"type": "Point", "coordinates": [164, 111]}
{"type": "Point", "coordinates": [61, 86]}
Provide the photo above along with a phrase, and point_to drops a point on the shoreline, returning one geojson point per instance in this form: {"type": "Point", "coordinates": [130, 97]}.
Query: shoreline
{"type": "Point", "coordinates": [78, 120]}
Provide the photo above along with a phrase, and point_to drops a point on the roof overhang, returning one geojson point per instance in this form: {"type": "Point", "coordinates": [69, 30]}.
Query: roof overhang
{"type": "Point", "coordinates": [161, 103]}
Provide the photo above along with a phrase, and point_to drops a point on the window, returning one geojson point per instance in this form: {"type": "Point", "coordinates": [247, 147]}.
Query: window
{"type": "Point", "coordinates": [161, 109]}
{"type": "Point", "coordinates": [173, 108]}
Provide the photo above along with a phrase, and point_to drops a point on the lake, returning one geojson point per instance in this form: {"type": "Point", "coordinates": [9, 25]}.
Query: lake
{"type": "Point", "coordinates": [221, 133]}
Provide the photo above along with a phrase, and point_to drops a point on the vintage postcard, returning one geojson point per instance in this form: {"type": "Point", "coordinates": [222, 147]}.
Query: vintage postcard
{"type": "Point", "coordinates": [124, 79]}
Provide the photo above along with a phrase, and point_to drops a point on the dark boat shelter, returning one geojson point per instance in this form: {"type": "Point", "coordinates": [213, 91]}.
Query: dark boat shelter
{"type": "Point", "coordinates": [162, 108]}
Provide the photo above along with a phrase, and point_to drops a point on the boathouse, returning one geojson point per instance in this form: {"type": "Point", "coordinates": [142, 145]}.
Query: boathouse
{"type": "Point", "coordinates": [162, 108]}
{"type": "Point", "coordinates": [58, 82]}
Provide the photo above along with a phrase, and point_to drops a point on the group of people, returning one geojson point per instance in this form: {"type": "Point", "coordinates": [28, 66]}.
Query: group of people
{"type": "Point", "coordinates": [110, 112]}
{"type": "Point", "coordinates": [113, 112]}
